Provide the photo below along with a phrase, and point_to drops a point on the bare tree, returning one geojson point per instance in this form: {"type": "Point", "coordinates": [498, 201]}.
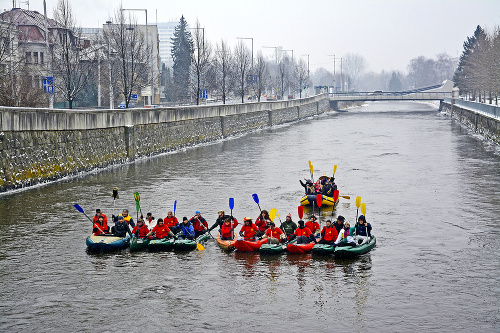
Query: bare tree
{"type": "Point", "coordinates": [354, 66]}
{"type": "Point", "coordinates": [131, 62]}
{"type": "Point", "coordinates": [262, 73]}
{"type": "Point", "coordinates": [302, 76]}
{"type": "Point", "coordinates": [223, 67]}
{"type": "Point", "coordinates": [201, 61]}
{"type": "Point", "coordinates": [283, 72]}
{"type": "Point", "coordinates": [242, 62]}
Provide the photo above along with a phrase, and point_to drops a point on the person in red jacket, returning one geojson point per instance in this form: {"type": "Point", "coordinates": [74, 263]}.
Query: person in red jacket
{"type": "Point", "coordinates": [302, 233]}
{"type": "Point", "coordinates": [227, 229]}
{"type": "Point", "coordinates": [274, 235]}
{"type": "Point", "coordinates": [160, 231]}
{"type": "Point", "coordinates": [329, 234]}
{"type": "Point", "coordinates": [262, 222]}
{"type": "Point", "coordinates": [248, 230]}
{"type": "Point", "coordinates": [99, 213]}
{"type": "Point", "coordinates": [313, 225]}
{"type": "Point", "coordinates": [171, 222]}
{"type": "Point", "coordinates": [100, 226]}
{"type": "Point", "coordinates": [199, 224]}
{"type": "Point", "coordinates": [140, 230]}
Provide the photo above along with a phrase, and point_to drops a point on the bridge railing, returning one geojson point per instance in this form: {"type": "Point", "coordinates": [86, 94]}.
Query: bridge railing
{"type": "Point", "coordinates": [388, 94]}
{"type": "Point", "coordinates": [475, 106]}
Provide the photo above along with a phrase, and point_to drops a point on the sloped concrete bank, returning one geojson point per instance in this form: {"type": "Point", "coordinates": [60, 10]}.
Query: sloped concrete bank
{"type": "Point", "coordinates": [481, 118]}
{"type": "Point", "coordinates": [39, 145]}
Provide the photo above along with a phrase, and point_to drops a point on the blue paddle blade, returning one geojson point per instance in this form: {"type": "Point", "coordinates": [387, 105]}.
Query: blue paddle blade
{"type": "Point", "coordinates": [231, 203]}
{"type": "Point", "coordinates": [78, 208]}
{"type": "Point", "coordinates": [255, 198]}
{"type": "Point", "coordinates": [175, 205]}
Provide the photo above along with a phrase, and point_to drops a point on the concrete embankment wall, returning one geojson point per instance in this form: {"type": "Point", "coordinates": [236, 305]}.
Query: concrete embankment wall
{"type": "Point", "coordinates": [481, 118]}
{"type": "Point", "coordinates": [38, 145]}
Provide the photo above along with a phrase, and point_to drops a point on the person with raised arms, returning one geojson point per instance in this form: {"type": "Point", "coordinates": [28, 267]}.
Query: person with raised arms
{"type": "Point", "coordinates": [220, 220]}
{"type": "Point", "coordinates": [186, 229]}
{"type": "Point", "coordinates": [274, 235]}
{"type": "Point", "coordinates": [289, 227]}
{"type": "Point", "coordinates": [302, 233]}
{"type": "Point", "coordinates": [172, 222]}
{"type": "Point", "coordinates": [262, 222]}
{"type": "Point", "coordinates": [227, 228]}
{"type": "Point", "coordinates": [140, 230]}
{"type": "Point", "coordinates": [248, 230]}
{"type": "Point", "coordinates": [199, 224]}
{"type": "Point", "coordinates": [308, 186]}
{"type": "Point", "coordinates": [329, 234]}
{"type": "Point", "coordinates": [160, 231]}
{"type": "Point", "coordinates": [346, 236]}
{"type": "Point", "coordinates": [363, 230]}
{"type": "Point", "coordinates": [100, 226]}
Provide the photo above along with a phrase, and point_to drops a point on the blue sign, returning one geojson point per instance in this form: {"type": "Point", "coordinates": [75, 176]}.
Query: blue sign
{"type": "Point", "coordinates": [251, 78]}
{"type": "Point", "coordinates": [48, 85]}
{"type": "Point", "coordinates": [203, 93]}
{"type": "Point", "coordinates": [133, 96]}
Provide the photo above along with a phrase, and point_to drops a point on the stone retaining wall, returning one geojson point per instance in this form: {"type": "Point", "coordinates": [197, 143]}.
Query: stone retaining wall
{"type": "Point", "coordinates": [38, 145]}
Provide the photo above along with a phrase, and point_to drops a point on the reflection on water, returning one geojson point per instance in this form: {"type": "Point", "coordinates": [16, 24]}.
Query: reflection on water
{"type": "Point", "coordinates": [431, 192]}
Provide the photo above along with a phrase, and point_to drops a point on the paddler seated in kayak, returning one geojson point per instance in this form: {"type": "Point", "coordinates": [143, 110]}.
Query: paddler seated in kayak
{"type": "Point", "coordinates": [100, 226]}
{"type": "Point", "coordinates": [220, 220]}
{"type": "Point", "coordinates": [262, 222]}
{"type": "Point", "coordinates": [120, 228]}
{"type": "Point", "coordinates": [363, 230]}
{"type": "Point", "coordinates": [150, 221]}
{"type": "Point", "coordinates": [288, 227]}
{"type": "Point", "coordinates": [140, 230]}
{"type": "Point", "coordinates": [227, 229]}
{"type": "Point", "coordinates": [172, 222]}
{"type": "Point", "coordinates": [346, 236]}
{"type": "Point", "coordinates": [186, 229]}
{"type": "Point", "coordinates": [99, 213]}
{"type": "Point", "coordinates": [200, 225]}
{"type": "Point", "coordinates": [329, 234]}
{"type": "Point", "coordinates": [302, 233]}
{"type": "Point", "coordinates": [308, 186]}
{"type": "Point", "coordinates": [313, 226]}
{"type": "Point", "coordinates": [160, 231]}
{"type": "Point", "coordinates": [274, 235]}
{"type": "Point", "coordinates": [248, 230]}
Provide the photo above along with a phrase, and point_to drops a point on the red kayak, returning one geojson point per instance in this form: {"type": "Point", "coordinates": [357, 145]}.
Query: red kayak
{"type": "Point", "coordinates": [300, 248]}
{"type": "Point", "coordinates": [248, 245]}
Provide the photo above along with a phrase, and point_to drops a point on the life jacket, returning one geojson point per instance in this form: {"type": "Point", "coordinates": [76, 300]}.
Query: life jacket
{"type": "Point", "coordinates": [161, 231]}
{"type": "Point", "coordinates": [329, 233]}
{"type": "Point", "coordinates": [249, 230]}
{"type": "Point", "coordinates": [105, 218]}
{"type": "Point", "coordinates": [312, 226]}
{"type": "Point", "coordinates": [104, 227]}
{"type": "Point", "coordinates": [302, 232]}
{"type": "Point", "coordinates": [126, 218]}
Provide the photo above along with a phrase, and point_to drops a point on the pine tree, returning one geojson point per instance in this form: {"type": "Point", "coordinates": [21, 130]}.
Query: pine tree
{"type": "Point", "coordinates": [182, 50]}
{"type": "Point", "coordinates": [395, 83]}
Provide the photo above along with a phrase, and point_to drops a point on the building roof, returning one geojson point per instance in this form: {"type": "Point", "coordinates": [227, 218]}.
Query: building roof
{"type": "Point", "coordinates": [21, 16]}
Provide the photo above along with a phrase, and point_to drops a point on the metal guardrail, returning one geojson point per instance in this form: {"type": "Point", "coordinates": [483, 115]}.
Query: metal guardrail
{"type": "Point", "coordinates": [389, 95]}
{"type": "Point", "coordinates": [475, 106]}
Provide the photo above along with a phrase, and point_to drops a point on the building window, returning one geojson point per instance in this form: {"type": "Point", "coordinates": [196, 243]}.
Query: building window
{"type": "Point", "coordinates": [41, 58]}
{"type": "Point", "coordinates": [35, 57]}
{"type": "Point", "coordinates": [28, 57]}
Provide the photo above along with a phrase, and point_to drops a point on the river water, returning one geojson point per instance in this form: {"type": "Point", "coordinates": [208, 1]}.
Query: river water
{"type": "Point", "coordinates": [431, 190]}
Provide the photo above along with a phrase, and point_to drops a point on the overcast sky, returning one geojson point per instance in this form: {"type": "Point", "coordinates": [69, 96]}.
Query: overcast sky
{"type": "Point", "coordinates": [388, 33]}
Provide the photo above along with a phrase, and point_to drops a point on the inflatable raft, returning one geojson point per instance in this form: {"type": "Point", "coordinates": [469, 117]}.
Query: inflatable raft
{"type": "Point", "coordinates": [107, 242]}
{"type": "Point", "coordinates": [323, 249]}
{"type": "Point", "coordinates": [352, 251]}
{"type": "Point", "coordinates": [309, 199]}
{"type": "Point", "coordinates": [248, 245]}
{"type": "Point", "coordinates": [189, 244]}
{"type": "Point", "coordinates": [138, 244]}
{"type": "Point", "coordinates": [164, 244]}
{"type": "Point", "coordinates": [300, 248]}
{"type": "Point", "coordinates": [226, 245]}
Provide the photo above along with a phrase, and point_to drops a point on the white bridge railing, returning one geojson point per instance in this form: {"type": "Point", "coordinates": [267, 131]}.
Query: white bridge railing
{"type": "Point", "coordinates": [388, 96]}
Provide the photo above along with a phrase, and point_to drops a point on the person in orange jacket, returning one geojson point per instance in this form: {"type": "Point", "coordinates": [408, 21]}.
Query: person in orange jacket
{"type": "Point", "coordinates": [274, 235]}
{"type": "Point", "coordinates": [329, 234]}
{"type": "Point", "coordinates": [248, 230]}
{"type": "Point", "coordinates": [171, 222]}
{"type": "Point", "coordinates": [140, 230]}
{"type": "Point", "coordinates": [302, 233]}
{"type": "Point", "coordinates": [160, 230]}
{"type": "Point", "coordinates": [227, 228]}
{"type": "Point", "coordinates": [99, 213]}
{"type": "Point", "coordinates": [100, 226]}
{"type": "Point", "coordinates": [313, 225]}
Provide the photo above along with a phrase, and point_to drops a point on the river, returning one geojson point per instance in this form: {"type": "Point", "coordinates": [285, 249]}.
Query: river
{"type": "Point", "coordinates": [432, 195]}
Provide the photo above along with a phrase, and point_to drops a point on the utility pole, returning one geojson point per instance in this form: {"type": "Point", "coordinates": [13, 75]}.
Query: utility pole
{"type": "Point", "coordinates": [49, 58]}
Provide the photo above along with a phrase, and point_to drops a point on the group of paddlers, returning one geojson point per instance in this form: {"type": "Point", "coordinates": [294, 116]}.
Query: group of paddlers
{"type": "Point", "coordinates": [324, 185]}
{"type": "Point", "coordinates": [339, 233]}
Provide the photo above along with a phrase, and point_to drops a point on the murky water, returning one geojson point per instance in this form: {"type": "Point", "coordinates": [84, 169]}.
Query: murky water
{"type": "Point", "coordinates": [432, 195]}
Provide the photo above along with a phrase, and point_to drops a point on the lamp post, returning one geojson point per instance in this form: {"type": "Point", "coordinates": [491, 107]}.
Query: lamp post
{"type": "Point", "coordinates": [147, 48]}
{"type": "Point", "coordinates": [334, 79]}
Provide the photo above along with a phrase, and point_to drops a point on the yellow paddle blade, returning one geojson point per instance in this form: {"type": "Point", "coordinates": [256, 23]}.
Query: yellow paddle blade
{"type": "Point", "coordinates": [363, 208]}
{"type": "Point", "coordinates": [358, 202]}
{"type": "Point", "coordinates": [334, 169]}
{"type": "Point", "coordinates": [272, 214]}
{"type": "Point", "coordinates": [346, 197]}
{"type": "Point", "coordinates": [278, 214]}
{"type": "Point", "coordinates": [310, 164]}
{"type": "Point", "coordinates": [199, 247]}
{"type": "Point", "coordinates": [311, 168]}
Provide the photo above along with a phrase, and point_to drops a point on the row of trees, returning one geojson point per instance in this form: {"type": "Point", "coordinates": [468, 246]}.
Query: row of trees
{"type": "Point", "coordinates": [478, 72]}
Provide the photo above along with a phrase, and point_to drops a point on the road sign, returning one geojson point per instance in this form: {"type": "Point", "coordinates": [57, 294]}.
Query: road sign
{"type": "Point", "coordinates": [251, 78]}
{"type": "Point", "coordinates": [203, 93]}
{"type": "Point", "coordinates": [133, 96]}
{"type": "Point", "coordinates": [48, 85]}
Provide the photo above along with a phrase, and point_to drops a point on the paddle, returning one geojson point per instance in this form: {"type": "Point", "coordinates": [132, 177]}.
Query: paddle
{"type": "Point", "coordinates": [175, 206]}
{"type": "Point", "coordinates": [231, 206]}
{"type": "Point", "coordinates": [334, 170]}
{"type": "Point", "coordinates": [335, 198]}
{"type": "Point", "coordinates": [358, 203]}
{"type": "Point", "coordinates": [319, 202]}
{"type": "Point", "coordinates": [115, 196]}
{"type": "Point", "coordinates": [80, 209]}
{"type": "Point", "coordinates": [137, 198]}
{"type": "Point", "coordinates": [312, 171]}
{"type": "Point", "coordinates": [363, 211]}
{"type": "Point", "coordinates": [256, 199]}
{"type": "Point", "coordinates": [301, 212]}
{"type": "Point", "coordinates": [346, 197]}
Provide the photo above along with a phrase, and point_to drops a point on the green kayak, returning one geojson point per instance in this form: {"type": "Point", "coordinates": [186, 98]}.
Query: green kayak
{"type": "Point", "coordinates": [164, 244]}
{"type": "Point", "coordinates": [138, 244]}
{"type": "Point", "coordinates": [274, 248]}
{"type": "Point", "coordinates": [323, 249]}
{"type": "Point", "coordinates": [352, 251]}
{"type": "Point", "coordinates": [189, 244]}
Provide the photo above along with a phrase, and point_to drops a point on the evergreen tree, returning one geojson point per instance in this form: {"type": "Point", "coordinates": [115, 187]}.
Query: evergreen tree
{"type": "Point", "coordinates": [182, 51]}
{"type": "Point", "coordinates": [395, 83]}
